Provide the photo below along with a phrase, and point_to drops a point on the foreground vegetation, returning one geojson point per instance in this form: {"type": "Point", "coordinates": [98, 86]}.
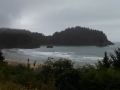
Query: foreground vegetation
{"type": "Point", "coordinates": [61, 75]}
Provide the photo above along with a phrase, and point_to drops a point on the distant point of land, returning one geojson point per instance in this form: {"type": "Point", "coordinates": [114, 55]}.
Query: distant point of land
{"type": "Point", "coordinates": [74, 36]}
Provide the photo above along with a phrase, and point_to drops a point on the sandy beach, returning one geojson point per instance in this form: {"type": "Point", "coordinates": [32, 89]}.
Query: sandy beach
{"type": "Point", "coordinates": [25, 63]}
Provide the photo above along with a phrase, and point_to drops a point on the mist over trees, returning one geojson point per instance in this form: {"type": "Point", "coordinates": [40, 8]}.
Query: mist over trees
{"type": "Point", "coordinates": [75, 36]}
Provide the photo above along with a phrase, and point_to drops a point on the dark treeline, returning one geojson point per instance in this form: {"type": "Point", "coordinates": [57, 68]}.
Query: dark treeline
{"type": "Point", "coordinates": [78, 36]}
{"type": "Point", "coordinates": [19, 38]}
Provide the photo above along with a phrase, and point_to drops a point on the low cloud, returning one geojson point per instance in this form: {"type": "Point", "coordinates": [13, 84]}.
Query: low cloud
{"type": "Point", "coordinates": [48, 16]}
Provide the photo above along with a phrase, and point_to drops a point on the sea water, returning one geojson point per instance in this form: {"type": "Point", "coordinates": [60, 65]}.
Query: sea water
{"type": "Point", "coordinates": [78, 54]}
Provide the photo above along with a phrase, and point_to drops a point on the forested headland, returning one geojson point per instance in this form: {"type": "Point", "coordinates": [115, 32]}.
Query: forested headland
{"type": "Point", "coordinates": [19, 38]}
{"type": "Point", "coordinates": [75, 36]}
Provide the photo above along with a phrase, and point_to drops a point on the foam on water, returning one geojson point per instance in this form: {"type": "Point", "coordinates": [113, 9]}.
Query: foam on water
{"type": "Point", "coordinates": [76, 54]}
{"type": "Point", "coordinates": [34, 53]}
{"type": "Point", "coordinates": [69, 55]}
{"type": "Point", "coordinates": [92, 57]}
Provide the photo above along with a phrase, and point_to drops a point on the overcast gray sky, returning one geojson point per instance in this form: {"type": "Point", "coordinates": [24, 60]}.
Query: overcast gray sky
{"type": "Point", "coordinates": [49, 16]}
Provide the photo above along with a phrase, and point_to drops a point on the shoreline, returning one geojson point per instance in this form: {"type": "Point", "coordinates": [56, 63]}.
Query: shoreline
{"type": "Point", "coordinates": [24, 63]}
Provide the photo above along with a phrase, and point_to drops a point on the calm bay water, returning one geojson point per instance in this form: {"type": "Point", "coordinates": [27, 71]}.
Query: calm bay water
{"type": "Point", "coordinates": [79, 54]}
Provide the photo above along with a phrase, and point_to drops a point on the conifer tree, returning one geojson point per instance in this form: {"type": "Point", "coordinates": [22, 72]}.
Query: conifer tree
{"type": "Point", "coordinates": [106, 61]}
{"type": "Point", "coordinates": [1, 56]}
{"type": "Point", "coordinates": [116, 58]}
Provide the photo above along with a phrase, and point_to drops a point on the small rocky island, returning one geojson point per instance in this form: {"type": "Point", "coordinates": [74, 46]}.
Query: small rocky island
{"type": "Point", "coordinates": [75, 36]}
{"type": "Point", "coordinates": [49, 46]}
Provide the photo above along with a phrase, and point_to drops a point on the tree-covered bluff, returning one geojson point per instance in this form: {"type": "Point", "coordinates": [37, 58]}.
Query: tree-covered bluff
{"type": "Point", "coordinates": [19, 38]}
{"type": "Point", "coordinates": [80, 36]}
{"type": "Point", "coordinates": [75, 36]}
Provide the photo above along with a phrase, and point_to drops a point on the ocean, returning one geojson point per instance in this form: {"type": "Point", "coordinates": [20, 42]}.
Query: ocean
{"type": "Point", "coordinates": [78, 54]}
